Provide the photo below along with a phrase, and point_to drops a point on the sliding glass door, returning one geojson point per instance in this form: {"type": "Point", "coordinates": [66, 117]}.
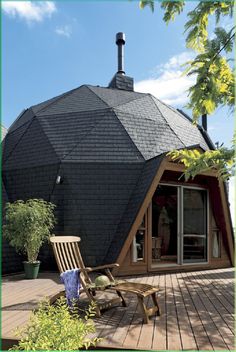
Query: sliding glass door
{"type": "Point", "coordinates": [179, 225]}
{"type": "Point", "coordinates": [194, 225]}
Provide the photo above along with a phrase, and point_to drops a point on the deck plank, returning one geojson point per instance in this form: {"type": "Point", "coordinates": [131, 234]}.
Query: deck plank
{"type": "Point", "coordinates": [160, 333]}
{"type": "Point", "coordinates": [205, 316]}
{"type": "Point", "coordinates": [136, 323]}
{"type": "Point", "coordinates": [197, 311]}
{"type": "Point", "coordinates": [202, 340]}
{"type": "Point", "coordinates": [146, 334]}
{"type": "Point", "coordinates": [173, 333]}
{"type": "Point", "coordinates": [223, 330]}
{"type": "Point", "coordinates": [186, 333]}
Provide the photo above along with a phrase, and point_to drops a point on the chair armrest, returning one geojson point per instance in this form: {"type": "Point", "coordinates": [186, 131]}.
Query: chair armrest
{"type": "Point", "coordinates": [101, 267]}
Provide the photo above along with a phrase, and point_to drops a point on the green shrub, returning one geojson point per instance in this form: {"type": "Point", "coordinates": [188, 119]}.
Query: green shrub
{"type": "Point", "coordinates": [57, 328]}
{"type": "Point", "coordinates": [28, 225]}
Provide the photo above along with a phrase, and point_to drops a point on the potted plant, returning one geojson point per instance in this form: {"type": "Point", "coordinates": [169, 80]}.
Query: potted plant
{"type": "Point", "coordinates": [27, 227]}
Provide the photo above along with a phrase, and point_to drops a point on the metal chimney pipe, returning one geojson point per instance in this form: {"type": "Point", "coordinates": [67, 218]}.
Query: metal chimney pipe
{"type": "Point", "coordinates": [204, 121]}
{"type": "Point", "coordinates": [120, 41]}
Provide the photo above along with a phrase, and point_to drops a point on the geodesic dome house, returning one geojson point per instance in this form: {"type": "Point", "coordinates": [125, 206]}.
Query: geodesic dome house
{"type": "Point", "coordinates": [99, 154]}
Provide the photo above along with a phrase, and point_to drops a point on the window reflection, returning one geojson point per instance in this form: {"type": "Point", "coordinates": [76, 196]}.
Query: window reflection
{"type": "Point", "coordinates": [164, 224]}
{"type": "Point", "coordinates": [195, 225]}
{"type": "Point", "coordinates": [138, 246]}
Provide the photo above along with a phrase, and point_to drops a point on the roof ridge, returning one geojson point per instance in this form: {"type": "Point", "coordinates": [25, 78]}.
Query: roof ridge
{"type": "Point", "coordinates": [10, 132]}
{"type": "Point", "coordinates": [167, 121]}
{"type": "Point", "coordinates": [113, 109]}
{"type": "Point", "coordinates": [127, 207]}
{"type": "Point", "coordinates": [85, 136]}
{"type": "Point", "coordinates": [73, 113]}
{"type": "Point", "coordinates": [61, 96]}
{"type": "Point", "coordinates": [30, 123]}
{"type": "Point", "coordinates": [131, 114]}
{"type": "Point", "coordinates": [48, 139]}
{"type": "Point", "coordinates": [173, 109]}
{"type": "Point", "coordinates": [137, 98]}
{"type": "Point", "coordinates": [34, 118]}
{"type": "Point", "coordinates": [120, 90]}
{"type": "Point", "coordinates": [89, 87]}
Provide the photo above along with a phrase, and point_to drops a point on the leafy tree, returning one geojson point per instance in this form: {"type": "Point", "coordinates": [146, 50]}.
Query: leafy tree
{"type": "Point", "coordinates": [214, 84]}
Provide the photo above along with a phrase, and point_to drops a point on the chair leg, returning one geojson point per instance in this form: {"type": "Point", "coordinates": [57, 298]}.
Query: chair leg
{"type": "Point", "coordinates": [154, 298]}
{"type": "Point", "coordinates": [98, 312]}
{"type": "Point", "coordinates": [143, 309]}
{"type": "Point", "coordinates": [122, 298]}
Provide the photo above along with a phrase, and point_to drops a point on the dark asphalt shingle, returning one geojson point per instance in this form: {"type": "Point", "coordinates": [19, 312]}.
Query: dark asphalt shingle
{"type": "Point", "coordinates": [107, 145]}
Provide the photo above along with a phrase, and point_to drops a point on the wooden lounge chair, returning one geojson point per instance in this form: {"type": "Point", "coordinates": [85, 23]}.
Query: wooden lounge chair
{"type": "Point", "coordinates": [68, 256]}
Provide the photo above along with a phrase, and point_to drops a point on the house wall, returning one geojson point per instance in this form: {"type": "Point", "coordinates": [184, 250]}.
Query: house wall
{"type": "Point", "coordinates": [35, 182]}
{"type": "Point", "coordinates": [90, 202]}
{"type": "Point", "coordinates": [94, 197]}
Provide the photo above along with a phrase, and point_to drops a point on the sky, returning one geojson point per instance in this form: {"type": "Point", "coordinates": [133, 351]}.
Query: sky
{"type": "Point", "coordinates": [51, 47]}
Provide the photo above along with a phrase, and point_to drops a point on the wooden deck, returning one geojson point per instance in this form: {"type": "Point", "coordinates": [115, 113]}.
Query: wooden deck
{"type": "Point", "coordinates": [197, 311]}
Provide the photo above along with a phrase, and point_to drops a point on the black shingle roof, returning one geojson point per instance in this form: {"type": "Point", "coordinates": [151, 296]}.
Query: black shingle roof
{"type": "Point", "coordinates": [86, 116]}
{"type": "Point", "coordinates": [107, 145]}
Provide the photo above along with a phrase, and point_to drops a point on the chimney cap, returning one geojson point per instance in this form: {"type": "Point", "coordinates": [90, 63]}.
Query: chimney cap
{"type": "Point", "coordinates": [120, 38]}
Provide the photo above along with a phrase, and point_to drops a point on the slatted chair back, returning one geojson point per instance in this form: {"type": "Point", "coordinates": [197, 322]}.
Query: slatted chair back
{"type": "Point", "coordinates": [67, 254]}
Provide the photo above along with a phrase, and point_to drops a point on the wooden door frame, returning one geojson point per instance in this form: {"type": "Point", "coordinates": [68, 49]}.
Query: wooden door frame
{"type": "Point", "coordinates": [168, 165]}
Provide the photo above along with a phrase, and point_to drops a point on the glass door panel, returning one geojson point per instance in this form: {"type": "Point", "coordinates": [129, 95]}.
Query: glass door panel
{"type": "Point", "coordinates": [164, 225]}
{"type": "Point", "coordinates": [139, 242]}
{"type": "Point", "coordinates": [194, 225]}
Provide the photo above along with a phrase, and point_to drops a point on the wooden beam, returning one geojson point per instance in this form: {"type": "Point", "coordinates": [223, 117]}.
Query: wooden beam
{"type": "Point", "coordinates": [141, 212]}
{"type": "Point", "coordinates": [179, 167]}
{"type": "Point", "coordinates": [224, 201]}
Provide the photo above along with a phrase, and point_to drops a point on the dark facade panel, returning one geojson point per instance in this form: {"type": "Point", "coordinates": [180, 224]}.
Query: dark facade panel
{"type": "Point", "coordinates": [92, 200]}
{"type": "Point", "coordinates": [11, 261]}
{"type": "Point", "coordinates": [107, 142]}
{"type": "Point", "coordinates": [152, 138]}
{"type": "Point", "coordinates": [33, 149]}
{"type": "Point", "coordinates": [35, 182]}
{"type": "Point", "coordinates": [81, 99]}
{"type": "Point", "coordinates": [26, 117]}
{"type": "Point", "coordinates": [12, 139]}
{"type": "Point", "coordinates": [143, 184]}
{"type": "Point", "coordinates": [115, 97]}
{"type": "Point", "coordinates": [41, 106]}
{"type": "Point", "coordinates": [188, 133]}
{"type": "Point", "coordinates": [143, 108]}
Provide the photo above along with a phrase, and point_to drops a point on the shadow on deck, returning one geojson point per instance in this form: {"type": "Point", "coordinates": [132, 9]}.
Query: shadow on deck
{"type": "Point", "coordinates": [197, 311]}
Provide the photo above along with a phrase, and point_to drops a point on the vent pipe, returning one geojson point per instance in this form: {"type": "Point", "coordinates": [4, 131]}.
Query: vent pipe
{"type": "Point", "coordinates": [120, 41]}
{"type": "Point", "coordinates": [204, 121]}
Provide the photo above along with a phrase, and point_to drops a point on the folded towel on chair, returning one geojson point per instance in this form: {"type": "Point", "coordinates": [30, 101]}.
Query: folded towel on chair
{"type": "Point", "coordinates": [70, 278]}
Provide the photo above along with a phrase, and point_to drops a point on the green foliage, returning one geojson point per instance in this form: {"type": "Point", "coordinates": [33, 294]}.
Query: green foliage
{"type": "Point", "coordinates": [28, 225]}
{"type": "Point", "coordinates": [197, 24]}
{"type": "Point", "coordinates": [147, 3]}
{"type": "Point", "coordinates": [215, 84]}
{"type": "Point", "coordinates": [57, 328]}
{"type": "Point", "coordinates": [172, 8]}
{"type": "Point", "coordinates": [220, 160]}
{"type": "Point", "coordinates": [214, 76]}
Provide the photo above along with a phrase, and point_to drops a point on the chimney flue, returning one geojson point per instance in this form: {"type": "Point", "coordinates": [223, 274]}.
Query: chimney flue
{"type": "Point", "coordinates": [120, 41]}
